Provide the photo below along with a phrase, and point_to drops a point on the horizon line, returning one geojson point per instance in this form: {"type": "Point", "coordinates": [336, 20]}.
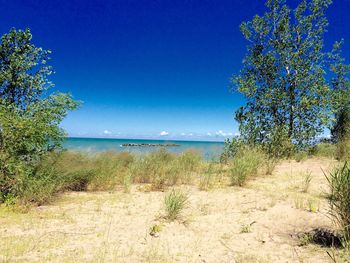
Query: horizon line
{"type": "Point", "coordinates": [149, 139]}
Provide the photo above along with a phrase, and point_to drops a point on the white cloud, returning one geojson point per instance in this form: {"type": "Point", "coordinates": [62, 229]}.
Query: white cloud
{"type": "Point", "coordinates": [209, 134]}
{"type": "Point", "coordinates": [223, 134]}
{"type": "Point", "coordinates": [183, 134]}
{"type": "Point", "coordinates": [190, 134]}
{"type": "Point", "coordinates": [237, 134]}
{"type": "Point", "coordinates": [220, 133]}
{"type": "Point", "coordinates": [107, 132]}
{"type": "Point", "coordinates": [164, 133]}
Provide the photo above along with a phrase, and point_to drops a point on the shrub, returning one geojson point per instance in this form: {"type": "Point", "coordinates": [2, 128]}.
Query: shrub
{"type": "Point", "coordinates": [343, 149]}
{"type": "Point", "coordinates": [246, 164]}
{"type": "Point", "coordinates": [109, 170]}
{"type": "Point", "coordinates": [231, 148]}
{"type": "Point", "coordinates": [175, 201]}
{"type": "Point", "coordinates": [39, 189]}
{"type": "Point", "coordinates": [324, 149]}
{"type": "Point", "coordinates": [57, 172]}
{"type": "Point", "coordinates": [339, 197]}
{"type": "Point", "coordinates": [29, 114]}
{"type": "Point", "coordinates": [300, 156]}
{"type": "Point", "coordinates": [270, 165]}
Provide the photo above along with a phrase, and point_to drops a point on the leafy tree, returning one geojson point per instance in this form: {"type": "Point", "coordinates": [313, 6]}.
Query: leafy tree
{"type": "Point", "coordinates": [29, 116]}
{"type": "Point", "coordinates": [340, 94]}
{"type": "Point", "coordinates": [283, 76]}
{"type": "Point", "coordinates": [231, 148]}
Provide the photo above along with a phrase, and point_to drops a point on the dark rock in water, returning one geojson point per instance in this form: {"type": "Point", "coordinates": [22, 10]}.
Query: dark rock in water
{"type": "Point", "coordinates": [149, 145]}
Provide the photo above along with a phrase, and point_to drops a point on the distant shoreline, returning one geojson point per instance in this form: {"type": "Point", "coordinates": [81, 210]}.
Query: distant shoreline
{"type": "Point", "coordinates": [134, 139]}
{"type": "Point", "coordinates": [150, 145]}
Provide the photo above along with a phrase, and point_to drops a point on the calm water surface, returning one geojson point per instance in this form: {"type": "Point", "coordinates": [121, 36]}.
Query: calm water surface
{"type": "Point", "coordinates": [209, 150]}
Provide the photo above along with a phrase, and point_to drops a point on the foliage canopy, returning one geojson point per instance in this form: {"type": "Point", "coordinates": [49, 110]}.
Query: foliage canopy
{"type": "Point", "coordinates": [289, 100]}
{"type": "Point", "coordinates": [29, 116]}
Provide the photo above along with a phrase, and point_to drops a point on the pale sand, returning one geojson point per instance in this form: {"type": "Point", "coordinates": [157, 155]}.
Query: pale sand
{"type": "Point", "coordinates": [114, 227]}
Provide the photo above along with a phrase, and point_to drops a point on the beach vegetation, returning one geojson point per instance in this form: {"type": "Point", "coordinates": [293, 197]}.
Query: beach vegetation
{"type": "Point", "coordinates": [231, 148]}
{"type": "Point", "coordinates": [324, 149]}
{"type": "Point", "coordinates": [207, 177]}
{"type": "Point", "coordinates": [246, 164]}
{"type": "Point", "coordinates": [306, 181]}
{"type": "Point", "coordinates": [175, 201]}
{"type": "Point", "coordinates": [289, 98]}
{"type": "Point", "coordinates": [342, 151]}
{"type": "Point", "coordinates": [339, 197]}
{"type": "Point", "coordinates": [29, 114]}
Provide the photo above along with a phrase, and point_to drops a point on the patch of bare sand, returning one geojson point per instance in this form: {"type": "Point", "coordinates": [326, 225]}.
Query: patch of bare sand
{"type": "Point", "coordinates": [258, 223]}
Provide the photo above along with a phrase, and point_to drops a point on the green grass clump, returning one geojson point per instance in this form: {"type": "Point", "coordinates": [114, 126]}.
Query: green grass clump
{"type": "Point", "coordinates": [57, 172]}
{"type": "Point", "coordinates": [343, 149]}
{"type": "Point", "coordinates": [206, 177]}
{"type": "Point", "coordinates": [163, 169]}
{"type": "Point", "coordinates": [339, 197]}
{"type": "Point", "coordinates": [109, 170]}
{"type": "Point", "coordinates": [307, 177]}
{"type": "Point", "coordinates": [64, 171]}
{"type": "Point", "coordinates": [324, 149]}
{"type": "Point", "coordinates": [270, 165]}
{"type": "Point", "coordinates": [174, 202]}
{"type": "Point", "coordinates": [300, 156]}
{"type": "Point", "coordinates": [245, 165]}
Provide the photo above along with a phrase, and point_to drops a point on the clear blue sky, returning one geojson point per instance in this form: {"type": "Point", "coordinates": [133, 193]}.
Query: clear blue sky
{"type": "Point", "coordinates": [146, 67]}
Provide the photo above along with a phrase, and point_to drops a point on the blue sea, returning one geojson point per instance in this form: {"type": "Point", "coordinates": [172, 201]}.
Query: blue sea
{"type": "Point", "coordinates": [208, 150]}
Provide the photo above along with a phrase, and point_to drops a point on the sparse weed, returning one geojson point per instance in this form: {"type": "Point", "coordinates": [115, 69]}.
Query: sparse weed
{"type": "Point", "coordinates": [206, 178]}
{"type": "Point", "coordinates": [307, 177]}
{"type": "Point", "coordinates": [174, 202]}
{"type": "Point", "coordinates": [313, 205]}
{"type": "Point", "coordinates": [299, 202]}
{"type": "Point", "coordinates": [339, 197]}
{"type": "Point", "coordinates": [246, 228]}
{"type": "Point", "coordinates": [155, 230]}
{"type": "Point", "coordinates": [127, 181]}
{"type": "Point", "coordinates": [306, 239]}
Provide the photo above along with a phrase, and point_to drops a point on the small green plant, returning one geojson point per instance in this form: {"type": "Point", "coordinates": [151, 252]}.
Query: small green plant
{"type": "Point", "coordinates": [246, 228]}
{"type": "Point", "coordinates": [175, 201]}
{"type": "Point", "coordinates": [339, 197]}
{"type": "Point", "coordinates": [10, 199]}
{"type": "Point", "coordinates": [313, 205]}
{"type": "Point", "coordinates": [306, 239]}
{"type": "Point", "coordinates": [155, 230]}
{"type": "Point", "coordinates": [307, 177]}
